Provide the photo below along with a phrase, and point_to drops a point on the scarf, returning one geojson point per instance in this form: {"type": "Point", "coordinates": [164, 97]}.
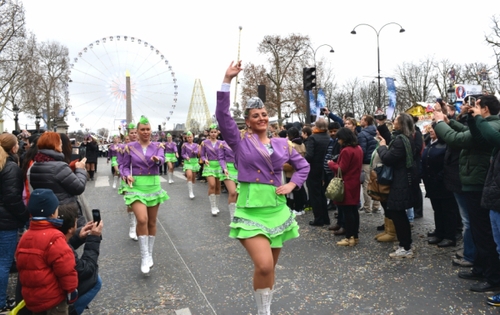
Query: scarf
{"type": "Point", "coordinates": [407, 144]}
{"type": "Point", "coordinates": [40, 157]}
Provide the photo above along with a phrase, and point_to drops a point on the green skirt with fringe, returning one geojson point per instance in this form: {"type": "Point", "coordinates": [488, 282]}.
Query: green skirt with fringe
{"type": "Point", "coordinates": [147, 190]}
{"type": "Point", "coordinates": [212, 169]}
{"type": "Point", "coordinates": [170, 157]}
{"type": "Point", "coordinates": [260, 211]}
{"type": "Point", "coordinates": [191, 164]}
{"type": "Point", "coordinates": [233, 173]}
{"type": "Point", "coordinates": [114, 161]}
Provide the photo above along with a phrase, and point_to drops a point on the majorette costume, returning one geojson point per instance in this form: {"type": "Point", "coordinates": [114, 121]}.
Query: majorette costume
{"type": "Point", "coordinates": [210, 153]}
{"type": "Point", "coordinates": [113, 151]}
{"type": "Point", "coordinates": [226, 161]}
{"type": "Point", "coordinates": [189, 153]}
{"type": "Point", "coordinates": [259, 210]}
{"type": "Point", "coordinates": [170, 151]}
{"type": "Point", "coordinates": [121, 191]}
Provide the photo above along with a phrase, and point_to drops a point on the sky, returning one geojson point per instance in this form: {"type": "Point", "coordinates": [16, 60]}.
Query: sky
{"type": "Point", "coordinates": [201, 38]}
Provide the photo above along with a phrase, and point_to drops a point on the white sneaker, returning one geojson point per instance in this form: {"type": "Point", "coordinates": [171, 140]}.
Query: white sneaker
{"type": "Point", "coordinates": [171, 181]}
{"type": "Point", "coordinates": [297, 212]}
{"type": "Point", "coordinates": [402, 253]}
{"type": "Point", "coordinates": [191, 196]}
{"type": "Point", "coordinates": [214, 211]}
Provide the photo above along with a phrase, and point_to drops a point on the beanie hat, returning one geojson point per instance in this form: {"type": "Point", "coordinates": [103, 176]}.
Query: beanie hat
{"type": "Point", "coordinates": [42, 203]}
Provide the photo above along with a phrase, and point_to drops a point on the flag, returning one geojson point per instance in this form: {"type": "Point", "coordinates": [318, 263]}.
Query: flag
{"type": "Point", "coordinates": [312, 104]}
{"type": "Point", "coordinates": [321, 102]}
{"type": "Point", "coordinates": [391, 92]}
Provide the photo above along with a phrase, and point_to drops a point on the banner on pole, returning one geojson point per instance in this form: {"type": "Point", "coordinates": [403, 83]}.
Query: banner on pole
{"type": "Point", "coordinates": [391, 92]}
{"type": "Point", "coordinates": [312, 104]}
{"type": "Point", "coordinates": [321, 102]}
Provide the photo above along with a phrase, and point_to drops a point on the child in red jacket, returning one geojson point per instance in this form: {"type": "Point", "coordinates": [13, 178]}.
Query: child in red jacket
{"type": "Point", "coordinates": [45, 262]}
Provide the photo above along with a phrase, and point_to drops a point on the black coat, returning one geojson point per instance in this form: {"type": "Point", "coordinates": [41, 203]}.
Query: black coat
{"type": "Point", "coordinates": [13, 213]}
{"type": "Point", "coordinates": [86, 266]}
{"type": "Point", "coordinates": [316, 146]}
{"type": "Point", "coordinates": [433, 170]}
{"type": "Point", "coordinates": [404, 185]}
{"type": "Point", "coordinates": [58, 176]}
{"type": "Point", "coordinates": [91, 151]}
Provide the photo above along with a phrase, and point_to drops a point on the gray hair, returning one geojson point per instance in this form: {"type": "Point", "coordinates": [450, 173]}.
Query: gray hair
{"type": "Point", "coordinates": [321, 124]}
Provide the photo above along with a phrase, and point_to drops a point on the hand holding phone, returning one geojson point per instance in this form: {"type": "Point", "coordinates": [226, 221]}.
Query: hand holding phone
{"type": "Point", "coordinates": [96, 216]}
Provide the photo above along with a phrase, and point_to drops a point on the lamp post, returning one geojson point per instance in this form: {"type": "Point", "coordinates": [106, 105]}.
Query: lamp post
{"type": "Point", "coordinates": [37, 122]}
{"type": "Point", "coordinates": [306, 93]}
{"type": "Point", "coordinates": [15, 109]}
{"type": "Point", "coordinates": [401, 30]}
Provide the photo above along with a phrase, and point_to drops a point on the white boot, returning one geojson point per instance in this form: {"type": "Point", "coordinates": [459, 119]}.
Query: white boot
{"type": "Point", "coordinates": [114, 181]}
{"type": "Point", "coordinates": [151, 243]}
{"type": "Point", "coordinates": [133, 224]}
{"type": "Point", "coordinates": [170, 180]}
{"type": "Point", "coordinates": [212, 204]}
{"type": "Point", "coordinates": [263, 298]}
{"type": "Point", "coordinates": [143, 245]}
{"type": "Point", "coordinates": [232, 208]}
{"type": "Point", "coordinates": [217, 203]}
{"type": "Point", "coordinates": [190, 189]}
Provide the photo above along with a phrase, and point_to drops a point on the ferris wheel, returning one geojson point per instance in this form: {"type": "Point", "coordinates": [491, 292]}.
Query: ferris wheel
{"type": "Point", "coordinates": [98, 81]}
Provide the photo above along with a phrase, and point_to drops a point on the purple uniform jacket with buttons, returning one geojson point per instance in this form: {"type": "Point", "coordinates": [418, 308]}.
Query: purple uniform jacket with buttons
{"type": "Point", "coordinates": [170, 147]}
{"type": "Point", "coordinates": [226, 155]}
{"type": "Point", "coordinates": [189, 150]}
{"type": "Point", "coordinates": [208, 151]}
{"type": "Point", "coordinates": [134, 158]}
{"type": "Point", "coordinates": [119, 158]}
{"type": "Point", "coordinates": [255, 165]}
{"type": "Point", "coordinates": [113, 150]}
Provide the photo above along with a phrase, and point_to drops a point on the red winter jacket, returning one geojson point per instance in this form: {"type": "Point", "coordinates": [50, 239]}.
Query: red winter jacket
{"type": "Point", "coordinates": [350, 162]}
{"type": "Point", "coordinates": [46, 266]}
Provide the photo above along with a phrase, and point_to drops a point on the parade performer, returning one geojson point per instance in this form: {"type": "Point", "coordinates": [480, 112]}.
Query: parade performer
{"type": "Point", "coordinates": [189, 153]}
{"type": "Point", "coordinates": [113, 152]}
{"type": "Point", "coordinates": [212, 171]}
{"type": "Point", "coordinates": [262, 221]}
{"type": "Point", "coordinates": [229, 176]}
{"type": "Point", "coordinates": [144, 194]}
{"type": "Point", "coordinates": [91, 152]}
{"type": "Point", "coordinates": [171, 156]}
{"type": "Point", "coordinates": [131, 136]}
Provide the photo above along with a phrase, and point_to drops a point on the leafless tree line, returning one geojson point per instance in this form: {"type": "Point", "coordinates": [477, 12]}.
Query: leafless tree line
{"type": "Point", "coordinates": [416, 81]}
{"type": "Point", "coordinates": [33, 75]}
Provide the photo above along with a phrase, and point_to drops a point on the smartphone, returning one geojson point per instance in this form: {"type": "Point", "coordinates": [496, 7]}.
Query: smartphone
{"type": "Point", "coordinates": [322, 111]}
{"type": "Point", "coordinates": [96, 215]}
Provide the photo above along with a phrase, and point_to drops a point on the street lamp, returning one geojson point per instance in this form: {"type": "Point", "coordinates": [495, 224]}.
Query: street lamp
{"type": "Point", "coordinates": [306, 93]}
{"type": "Point", "coordinates": [401, 30]}
{"type": "Point", "coordinates": [15, 109]}
{"type": "Point", "coordinates": [37, 122]}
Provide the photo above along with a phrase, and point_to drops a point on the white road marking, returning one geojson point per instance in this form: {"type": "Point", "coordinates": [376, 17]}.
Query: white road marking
{"type": "Point", "coordinates": [184, 311]}
{"type": "Point", "coordinates": [102, 181]}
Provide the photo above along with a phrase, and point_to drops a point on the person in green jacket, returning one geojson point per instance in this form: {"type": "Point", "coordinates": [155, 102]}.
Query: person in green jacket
{"type": "Point", "coordinates": [480, 127]}
{"type": "Point", "coordinates": [474, 162]}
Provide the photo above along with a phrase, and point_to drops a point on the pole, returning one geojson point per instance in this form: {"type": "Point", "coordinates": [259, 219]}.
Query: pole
{"type": "Point", "coordinates": [129, 98]}
{"type": "Point", "coordinates": [378, 73]}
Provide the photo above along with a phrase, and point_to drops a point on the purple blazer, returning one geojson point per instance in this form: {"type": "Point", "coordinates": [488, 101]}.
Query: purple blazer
{"type": "Point", "coordinates": [189, 150]}
{"type": "Point", "coordinates": [170, 147]}
{"type": "Point", "coordinates": [226, 155]}
{"type": "Point", "coordinates": [113, 150]}
{"type": "Point", "coordinates": [140, 164]}
{"type": "Point", "coordinates": [255, 165]}
{"type": "Point", "coordinates": [209, 152]}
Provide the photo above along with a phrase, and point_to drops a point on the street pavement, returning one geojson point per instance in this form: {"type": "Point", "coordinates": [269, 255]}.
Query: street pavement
{"type": "Point", "coordinates": [199, 270]}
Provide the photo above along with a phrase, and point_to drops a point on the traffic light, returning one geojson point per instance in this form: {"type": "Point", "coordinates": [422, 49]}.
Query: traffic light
{"type": "Point", "coordinates": [309, 78]}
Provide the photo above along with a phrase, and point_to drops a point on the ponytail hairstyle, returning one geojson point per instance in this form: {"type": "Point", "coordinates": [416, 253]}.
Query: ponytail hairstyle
{"type": "Point", "coordinates": [7, 142]}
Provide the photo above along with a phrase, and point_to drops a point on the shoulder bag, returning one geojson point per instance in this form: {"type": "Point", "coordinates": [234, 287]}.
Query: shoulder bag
{"type": "Point", "coordinates": [335, 190]}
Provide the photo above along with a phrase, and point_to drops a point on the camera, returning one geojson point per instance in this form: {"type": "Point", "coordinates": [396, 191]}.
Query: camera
{"type": "Point", "coordinates": [96, 215]}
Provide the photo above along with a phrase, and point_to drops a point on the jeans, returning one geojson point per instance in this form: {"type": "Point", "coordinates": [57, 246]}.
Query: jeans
{"type": "Point", "coordinates": [410, 212]}
{"type": "Point", "coordinates": [86, 298]}
{"type": "Point", "coordinates": [486, 261]}
{"type": "Point", "coordinates": [469, 247]}
{"type": "Point", "coordinates": [8, 244]}
{"type": "Point", "coordinates": [495, 226]}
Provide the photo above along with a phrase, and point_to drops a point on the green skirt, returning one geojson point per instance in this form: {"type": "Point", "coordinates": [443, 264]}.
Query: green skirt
{"type": "Point", "coordinates": [170, 157]}
{"type": "Point", "coordinates": [191, 164]}
{"type": "Point", "coordinates": [260, 211]}
{"type": "Point", "coordinates": [114, 161]}
{"type": "Point", "coordinates": [233, 173]}
{"type": "Point", "coordinates": [123, 187]}
{"type": "Point", "coordinates": [212, 169]}
{"type": "Point", "coordinates": [147, 190]}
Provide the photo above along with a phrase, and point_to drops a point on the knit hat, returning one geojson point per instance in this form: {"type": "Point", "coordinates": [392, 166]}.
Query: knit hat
{"type": "Point", "coordinates": [43, 203]}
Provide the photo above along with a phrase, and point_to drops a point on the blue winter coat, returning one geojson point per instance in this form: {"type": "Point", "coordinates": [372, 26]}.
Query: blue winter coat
{"type": "Point", "coordinates": [367, 142]}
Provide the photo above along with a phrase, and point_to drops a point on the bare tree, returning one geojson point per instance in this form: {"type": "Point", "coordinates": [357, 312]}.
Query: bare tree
{"type": "Point", "coordinates": [46, 80]}
{"type": "Point", "coordinates": [494, 41]}
{"type": "Point", "coordinates": [416, 84]}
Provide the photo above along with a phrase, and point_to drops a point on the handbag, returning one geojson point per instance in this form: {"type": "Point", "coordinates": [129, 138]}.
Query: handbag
{"type": "Point", "coordinates": [376, 190]}
{"type": "Point", "coordinates": [384, 174]}
{"type": "Point", "coordinates": [335, 190]}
